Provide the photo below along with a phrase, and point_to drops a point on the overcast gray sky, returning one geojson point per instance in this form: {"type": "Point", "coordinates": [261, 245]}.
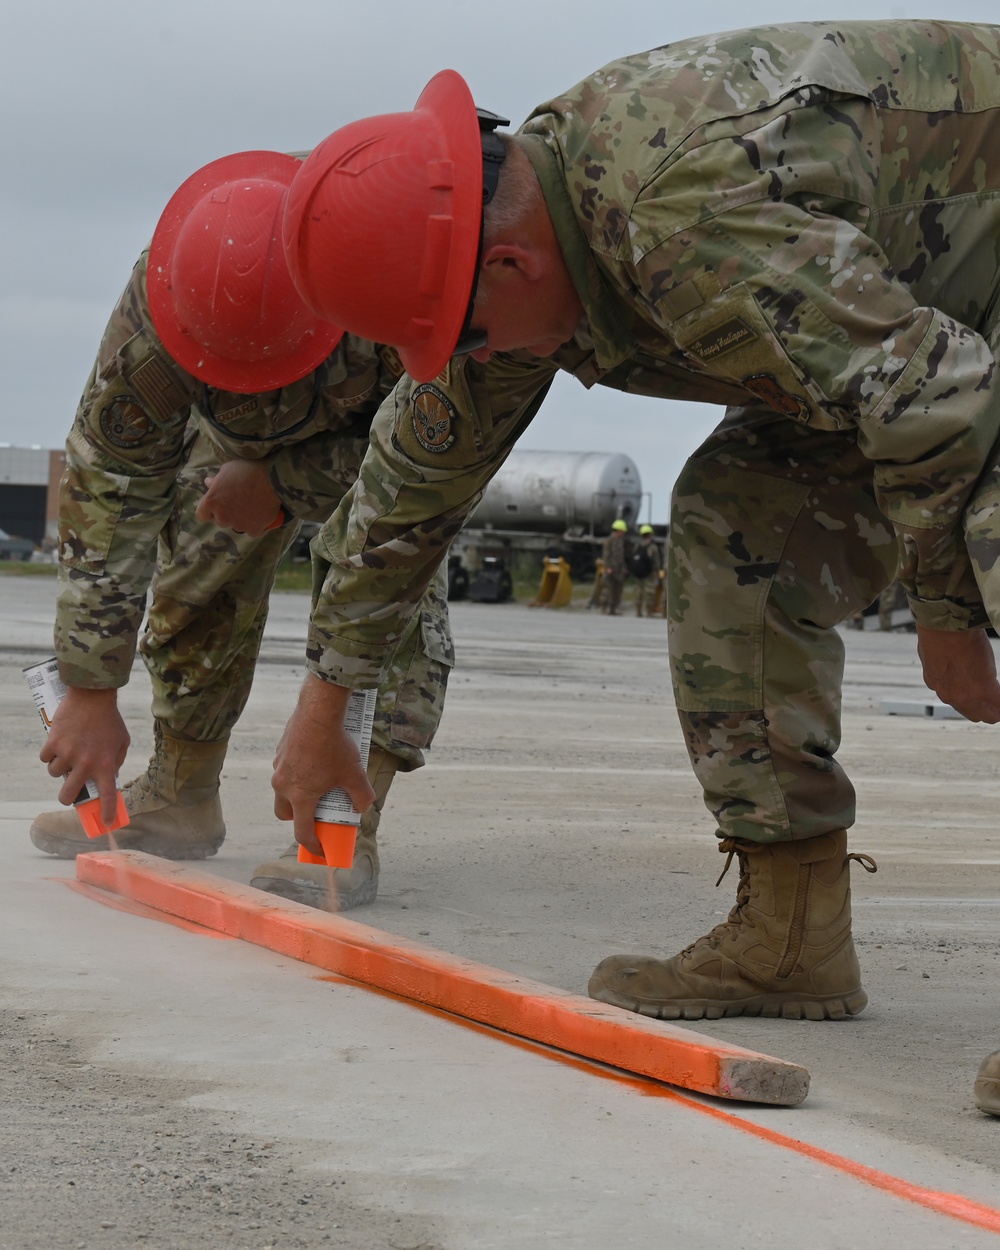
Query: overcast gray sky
{"type": "Point", "coordinates": [108, 106]}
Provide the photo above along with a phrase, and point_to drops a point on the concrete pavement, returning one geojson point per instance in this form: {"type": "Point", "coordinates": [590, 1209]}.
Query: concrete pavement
{"type": "Point", "coordinates": [202, 1092]}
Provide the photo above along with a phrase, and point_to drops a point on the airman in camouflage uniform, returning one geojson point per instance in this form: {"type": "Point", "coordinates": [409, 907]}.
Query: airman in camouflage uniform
{"type": "Point", "coordinates": [801, 223]}
{"type": "Point", "coordinates": [146, 437]}
{"type": "Point", "coordinates": [614, 568]}
{"type": "Point", "coordinates": [646, 586]}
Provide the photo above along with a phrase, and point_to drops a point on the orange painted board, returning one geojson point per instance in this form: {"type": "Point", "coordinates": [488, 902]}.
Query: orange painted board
{"type": "Point", "coordinates": [666, 1052]}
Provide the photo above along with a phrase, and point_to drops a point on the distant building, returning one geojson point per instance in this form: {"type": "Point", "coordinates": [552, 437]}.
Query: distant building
{"type": "Point", "coordinates": [29, 491]}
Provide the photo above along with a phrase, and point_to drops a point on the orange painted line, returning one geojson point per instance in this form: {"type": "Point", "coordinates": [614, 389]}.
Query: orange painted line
{"type": "Point", "coordinates": [459, 986]}
{"type": "Point", "coordinates": [953, 1206]}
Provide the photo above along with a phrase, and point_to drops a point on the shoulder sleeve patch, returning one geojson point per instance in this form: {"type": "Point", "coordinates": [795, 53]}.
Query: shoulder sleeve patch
{"type": "Point", "coordinates": [124, 423]}
{"type": "Point", "coordinates": [434, 419]}
{"type": "Point", "coordinates": [437, 426]}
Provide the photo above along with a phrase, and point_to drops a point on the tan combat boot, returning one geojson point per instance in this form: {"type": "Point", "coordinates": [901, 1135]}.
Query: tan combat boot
{"type": "Point", "coordinates": [987, 1088]}
{"type": "Point", "coordinates": [343, 888]}
{"type": "Point", "coordinates": [784, 950]}
{"type": "Point", "coordinates": [174, 807]}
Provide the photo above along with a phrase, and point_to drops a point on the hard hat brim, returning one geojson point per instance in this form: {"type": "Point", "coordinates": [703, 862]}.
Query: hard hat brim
{"type": "Point", "coordinates": [382, 225]}
{"type": "Point", "coordinates": [448, 99]}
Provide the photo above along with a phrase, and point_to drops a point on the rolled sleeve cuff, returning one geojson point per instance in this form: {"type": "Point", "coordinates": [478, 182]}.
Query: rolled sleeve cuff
{"type": "Point", "coordinates": [94, 639]}
{"type": "Point", "coordinates": [358, 666]}
{"type": "Point", "coordinates": [948, 614]}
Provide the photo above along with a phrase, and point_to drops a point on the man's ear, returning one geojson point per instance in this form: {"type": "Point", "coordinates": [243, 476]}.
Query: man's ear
{"type": "Point", "coordinates": [513, 258]}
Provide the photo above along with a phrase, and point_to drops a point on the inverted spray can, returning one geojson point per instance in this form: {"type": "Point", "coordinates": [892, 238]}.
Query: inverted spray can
{"type": "Point", "coordinates": [47, 689]}
{"type": "Point", "coordinates": [336, 821]}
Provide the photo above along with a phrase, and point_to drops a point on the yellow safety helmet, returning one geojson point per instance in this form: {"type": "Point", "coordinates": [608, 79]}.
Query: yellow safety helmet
{"type": "Point", "coordinates": [619, 525]}
{"type": "Point", "coordinates": [645, 529]}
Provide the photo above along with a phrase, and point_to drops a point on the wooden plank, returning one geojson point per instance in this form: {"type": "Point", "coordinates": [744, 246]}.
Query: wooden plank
{"type": "Point", "coordinates": [570, 1022]}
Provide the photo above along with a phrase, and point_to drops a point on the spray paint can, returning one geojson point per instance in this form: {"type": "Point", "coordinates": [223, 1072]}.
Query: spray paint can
{"type": "Point", "coordinates": [336, 821]}
{"type": "Point", "coordinates": [47, 689]}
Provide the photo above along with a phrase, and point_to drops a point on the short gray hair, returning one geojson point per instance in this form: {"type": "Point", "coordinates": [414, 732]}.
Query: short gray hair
{"type": "Point", "coordinates": [517, 194]}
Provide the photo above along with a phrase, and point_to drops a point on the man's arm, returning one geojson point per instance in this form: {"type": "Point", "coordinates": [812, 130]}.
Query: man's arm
{"type": "Point", "coordinates": [316, 754]}
{"type": "Point", "coordinates": [239, 496]}
{"type": "Point", "coordinates": [122, 458]}
{"type": "Point", "coordinates": [769, 266]}
{"type": "Point", "coordinates": [795, 302]}
{"type": "Point", "coordinates": [87, 741]}
{"type": "Point", "coordinates": [313, 435]}
{"type": "Point", "coordinates": [923, 392]}
{"type": "Point", "coordinates": [960, 667]}
{"type": "Point", "coordinates": [433, 449]}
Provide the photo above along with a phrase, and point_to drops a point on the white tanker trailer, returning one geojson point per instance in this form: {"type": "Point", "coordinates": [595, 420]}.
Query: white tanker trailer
{"type": "Point", "coordinates": [555, 492]}
{"type": "Point", "coordinates": [542, 503]}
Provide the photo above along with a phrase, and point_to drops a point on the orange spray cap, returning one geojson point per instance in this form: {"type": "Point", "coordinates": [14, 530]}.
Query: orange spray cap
{"type": "Point", "coordinates": [337, 842]}
{"type": "Point", "coordinates": [89, 812]}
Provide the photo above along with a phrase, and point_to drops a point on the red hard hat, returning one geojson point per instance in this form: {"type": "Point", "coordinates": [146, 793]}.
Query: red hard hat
{"type": "Point", "coordinates": [220, 294]}
{"type": "Point", "coordinates": [382, 225]}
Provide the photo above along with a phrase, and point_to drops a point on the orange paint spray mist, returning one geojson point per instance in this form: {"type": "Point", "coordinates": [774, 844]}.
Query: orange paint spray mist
{"type": "Point", "coordinates": [336, 821]}
{"type": "Point", "coordinates": [47, 689]}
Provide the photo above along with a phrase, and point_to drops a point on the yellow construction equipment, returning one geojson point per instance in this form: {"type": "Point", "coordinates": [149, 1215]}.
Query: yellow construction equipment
{"type": "Point", "coordinates": [556, 587]}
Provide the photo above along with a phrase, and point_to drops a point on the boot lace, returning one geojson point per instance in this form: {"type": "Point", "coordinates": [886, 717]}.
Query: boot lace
{"type": "Point", "coordinates": [144, 788]}
{"type": "Point", "coordinates": [738, 918]}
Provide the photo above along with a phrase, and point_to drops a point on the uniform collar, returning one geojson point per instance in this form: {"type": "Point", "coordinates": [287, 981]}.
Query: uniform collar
{"type": "Point", "coordinates": [606, 332]}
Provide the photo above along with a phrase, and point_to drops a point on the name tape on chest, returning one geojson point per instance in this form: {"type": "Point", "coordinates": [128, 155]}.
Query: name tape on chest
{"type": "Point", "coordinates": [723, 339]}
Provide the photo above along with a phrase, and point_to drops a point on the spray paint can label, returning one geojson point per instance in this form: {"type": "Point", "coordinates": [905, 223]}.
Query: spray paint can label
{"type": "Point", "coordinates": [335, 806]}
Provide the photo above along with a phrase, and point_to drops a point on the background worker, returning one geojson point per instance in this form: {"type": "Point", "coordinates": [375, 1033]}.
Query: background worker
{"type": "Point", "coordinates": [797, 222]}
{"type": "Point", "coordinates": [614, 568]}
{"type": "Point", "coordinates": [646, 565]}
{"type": "Point", "coordinates": [152, 469]}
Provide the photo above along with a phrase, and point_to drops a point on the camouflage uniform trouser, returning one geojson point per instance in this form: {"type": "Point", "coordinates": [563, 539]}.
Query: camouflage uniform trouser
{"type": "Point", "coordinates": [645, 592]}
{"type": "Point", "coordinates": [207, 617]}
{"type": "Point", "coordinates": [612, 586]}
{"type": "Point", "coordinates": [775, 539]}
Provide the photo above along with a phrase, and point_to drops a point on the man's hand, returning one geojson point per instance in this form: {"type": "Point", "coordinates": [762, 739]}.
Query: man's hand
{"type": "Point", "coordinates": [240, 497]}
{"type": "Point", "coordinates": [316, 754]}
{"type": "Point", "coordinates": [959, 666]}
{"type": "Point", "coordinates": [87, 742]}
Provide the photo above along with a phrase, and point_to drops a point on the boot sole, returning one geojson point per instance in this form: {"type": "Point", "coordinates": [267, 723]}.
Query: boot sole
{"type": "Point", "coordinates": [151, 844]}
{"type": "Point", "coordinates": [768, 1006]}
{"type": "Point", "coordinates": [312, 895]}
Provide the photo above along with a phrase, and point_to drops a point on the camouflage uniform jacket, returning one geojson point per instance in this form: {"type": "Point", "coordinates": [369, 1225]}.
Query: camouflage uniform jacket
{"type": "Point", "coordinates": [129, 440]}
{"type": "Point", "coordinates": [803, 219]}
{"type": "Point", "coordinates": [613, 554]}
